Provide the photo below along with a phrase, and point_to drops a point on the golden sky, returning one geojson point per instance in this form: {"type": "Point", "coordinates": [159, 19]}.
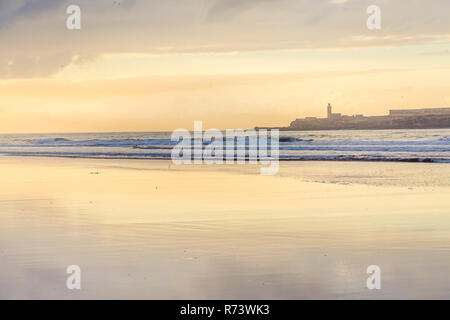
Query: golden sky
{"type": "Point", "coordinates": [159, 65]}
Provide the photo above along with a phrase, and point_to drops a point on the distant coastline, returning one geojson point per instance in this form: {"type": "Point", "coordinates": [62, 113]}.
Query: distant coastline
{"type": "Point", "coordinates": [427, 118]}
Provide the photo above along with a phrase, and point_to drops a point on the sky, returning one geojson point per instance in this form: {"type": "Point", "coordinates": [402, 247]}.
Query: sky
{"type": "Point", "coordinates": [147, 65]}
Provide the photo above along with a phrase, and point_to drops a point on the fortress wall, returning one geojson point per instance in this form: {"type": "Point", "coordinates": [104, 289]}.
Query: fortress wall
{"type": "Point", "coordinates": [418, 112]}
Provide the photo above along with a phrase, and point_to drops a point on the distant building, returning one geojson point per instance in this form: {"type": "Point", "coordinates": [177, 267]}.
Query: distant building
{"type": "Point", "coordinates": [336, 116]}
{"type": "Point", "coordinates": [396, 119]}
{"type": "Point", "coordinates": [419, 112]}
{"type": "Point", "coordinates": [331, 115]}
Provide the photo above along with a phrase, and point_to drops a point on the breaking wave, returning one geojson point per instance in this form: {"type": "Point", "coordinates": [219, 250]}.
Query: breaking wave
{"type": "Point", "coordinates": [376, 145]}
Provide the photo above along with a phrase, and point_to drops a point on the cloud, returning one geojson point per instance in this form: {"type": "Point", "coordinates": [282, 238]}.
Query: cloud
{"type": "Point", "coordinates": [338, 1]}
{"type": "Point", "coordinates": [14, 11]}
{"type": "Point", "coordinates": [34, 41]}
{"type": "Point", "coordinates": [226, 8]}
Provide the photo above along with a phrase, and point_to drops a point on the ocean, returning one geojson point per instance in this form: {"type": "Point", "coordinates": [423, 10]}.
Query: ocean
{"type": "Point", "coordinates": [345, 145]}
{"type": "Point", "coordinates": [431, 145]}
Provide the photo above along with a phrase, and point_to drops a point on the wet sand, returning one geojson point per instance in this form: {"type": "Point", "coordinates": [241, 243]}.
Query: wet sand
{"type": "Point", "coordinates": [153, 230]}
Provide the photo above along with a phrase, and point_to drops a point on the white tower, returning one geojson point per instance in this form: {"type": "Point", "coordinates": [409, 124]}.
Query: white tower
{"type": "Point", "coordinates": [329, 111]}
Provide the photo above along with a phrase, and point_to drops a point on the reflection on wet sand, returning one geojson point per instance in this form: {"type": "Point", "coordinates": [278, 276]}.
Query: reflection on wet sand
{"type": "Point", "coordinates": [148, 229]}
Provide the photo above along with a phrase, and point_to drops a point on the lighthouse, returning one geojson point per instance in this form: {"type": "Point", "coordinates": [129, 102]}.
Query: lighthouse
{"type": "Point", "coordinates": [329, 114]}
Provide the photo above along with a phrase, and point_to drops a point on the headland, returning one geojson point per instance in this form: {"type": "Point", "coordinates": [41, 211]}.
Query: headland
{"type": "Point", "coordinates": [427, 118]}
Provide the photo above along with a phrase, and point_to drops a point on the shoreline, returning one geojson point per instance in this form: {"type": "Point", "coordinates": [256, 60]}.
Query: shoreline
{"type": "Point", "coordinates": [336, 159]}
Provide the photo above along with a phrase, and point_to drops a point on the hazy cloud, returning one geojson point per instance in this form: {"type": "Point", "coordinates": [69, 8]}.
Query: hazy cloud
{"type": "Point", "coordinates": [34, 41]}
{"type": "Point", "coordinates": [14, 11]}
{"type": "Point", "coordinates": [228, 7]}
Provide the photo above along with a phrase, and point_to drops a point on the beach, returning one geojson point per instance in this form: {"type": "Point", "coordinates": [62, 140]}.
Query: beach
{"type": "Point", "coordinates": [143, 229]}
